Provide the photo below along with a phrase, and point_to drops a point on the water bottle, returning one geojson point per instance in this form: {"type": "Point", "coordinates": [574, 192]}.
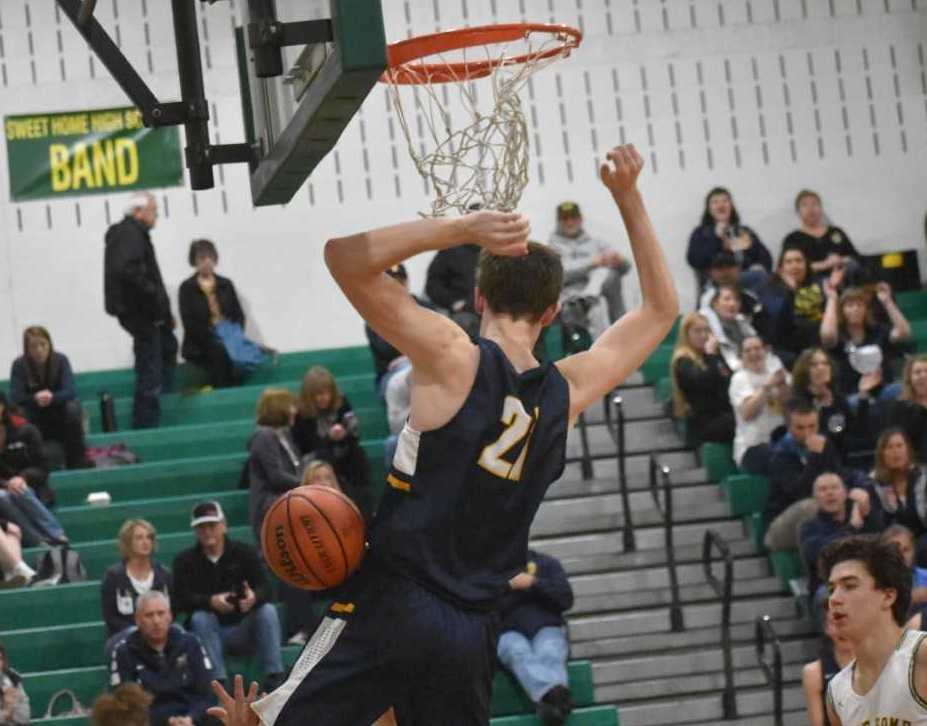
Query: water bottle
{"type": "Point", "coordinates": [108, 412]}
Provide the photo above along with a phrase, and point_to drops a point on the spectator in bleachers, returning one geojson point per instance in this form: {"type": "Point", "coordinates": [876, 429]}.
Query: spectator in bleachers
{"type": "Point", "coordinates": [126, 706]}
{"type": "Point", "coordinates": [725, 271]}
{"type": "Point", "coordinates": [721, 229]}
{"type": "Point", "coordinates": [835, 654]}
{"type": "Point", "coordinates": [861, 346]}
{"type": "Point", "coordinates": [170, 664]}
{"type": "Point", "coordinates": [220, 582]}
{"type": "Point", "coordinates": [214, 322]}
{"type": "Point", "coordinates": [758, 393]}
{"type": "Point", "coordinates": [903, 539]}
{"type": "Point", "coordinates": [135, 294]}
{"type": "Point", "coordinates": [815, 379]}
{"type": "Point", "coordinates": [827, 247]}
{"type": "Point", "coordinates": [387, 361]}
{"type": "Point", "coordinates": [901, 483]}
{"type": "Point", "coordinates": [398, 407]}
{"type": "Point", "coordinates": [728, 325]}
{"type": "Point", "coordinates": [909, 411]}
{"type": "Point", "coordinates": [700, 380]}
{"type": "Point", "coordinates": [274, 463]}
{"type": "Point", "coordinates": [15, 571]}
{"type": "Point", "coordinates": [793, 302]}
{"type": "Point", "coordinates": [321, 474]}
{"type": "Point", "coordinates": [14, 702]}
{"type": "Point", "coordinates": [327, 428]}
{"type": "Point", "coordinates": [840, 512]}
{"type": "Point", "coordinates": [42, 385]}
{"type": "Point", "coordinates": [450, 282]}
{"type": "Point", "coordinates": [24, 481]}
{"type": "Point", "coordinates": [533, 641]}
{"type": "Point", "coordinates": [592, 269]}
{"type": "Point", "coordinates": [137, 573]}
{"type": "Point", "coordinates": [798, 459]}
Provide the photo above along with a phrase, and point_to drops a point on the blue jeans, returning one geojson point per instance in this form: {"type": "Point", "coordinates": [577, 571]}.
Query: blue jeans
{"type": "Point", "coordinates": [155, 349]}
{"type": "Point", "coordinates": [37, 523]}
{"type": "Point", "coordinates": [538, 663]}
{"type": "Point", "coordinates": [258, 633]}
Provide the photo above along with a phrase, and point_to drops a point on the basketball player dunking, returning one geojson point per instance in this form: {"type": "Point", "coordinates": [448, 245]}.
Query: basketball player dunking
{"type": "Point", "coordinates": [870, 592]}
{"type": "Point", "coordinates": [415, 628]}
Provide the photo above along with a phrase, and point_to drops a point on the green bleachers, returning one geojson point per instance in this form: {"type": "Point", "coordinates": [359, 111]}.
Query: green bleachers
{"type": "Point", "coordinates": [658, 364]}
{"type": "Point", "coordinates": [717, 460]}
{"type": "Point", "coordinates": [913, 304]}
{"type": "Point", "coordinates": [745, 493]}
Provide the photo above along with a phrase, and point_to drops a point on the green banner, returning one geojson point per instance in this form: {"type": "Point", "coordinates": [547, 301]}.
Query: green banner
{"type": "Point", "coordinates": [89, 152]}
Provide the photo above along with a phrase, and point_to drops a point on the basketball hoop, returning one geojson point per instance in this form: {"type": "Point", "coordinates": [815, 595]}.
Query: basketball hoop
{"type": "Point", "coordinates": [471, 152]}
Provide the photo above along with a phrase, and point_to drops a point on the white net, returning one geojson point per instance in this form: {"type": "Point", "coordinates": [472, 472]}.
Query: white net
{"type": "Point", "coordinates": [473, 151]}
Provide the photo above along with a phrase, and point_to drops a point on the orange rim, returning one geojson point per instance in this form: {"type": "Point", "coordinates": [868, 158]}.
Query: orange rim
{"type": "Point", "coordinates": [401, 55]}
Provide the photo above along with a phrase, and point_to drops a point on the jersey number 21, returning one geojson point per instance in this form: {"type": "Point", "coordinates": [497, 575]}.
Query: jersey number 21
{"type": "Point", "coordinates": [518, 428]}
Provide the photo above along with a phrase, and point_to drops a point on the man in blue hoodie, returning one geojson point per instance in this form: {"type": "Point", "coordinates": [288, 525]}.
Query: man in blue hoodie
{"type": "Point", "coordinates": [533, 638]}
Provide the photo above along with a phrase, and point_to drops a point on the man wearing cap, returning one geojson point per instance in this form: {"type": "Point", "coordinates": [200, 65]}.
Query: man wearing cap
{"type": "Point", "coordinates": [166, 662]}
{"type": "Point", "coordinates": [220, 582]}
{"type": "Point", "coordinates": [592, 269]}
{"type": "Point", "coordinates": [134, 293]}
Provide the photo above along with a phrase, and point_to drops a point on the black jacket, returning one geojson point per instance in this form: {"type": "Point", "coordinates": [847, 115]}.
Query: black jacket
{"type": "Point", "coordinates": [543, 605]}
{"type": "Point", "coordinates": [452, 276]}
{"type": "Point", "coordinates": [196, 579]}
{"type": "Point", "coordinates": [194, 312]}
{"type": "Point", "coordinates": [705, 389]}
{"type": "Point", "coordinates": [272, 470]}
{"type": "Point", "coordinates": [815, 534]}
{"type": "Point", "coordinates": [794, 470]}
{"type": "Point", "coordinates": [179, 682]}
{"type": "Point", "coordinates": [132, 285]}
{"type": "Point", "coordinates": [118, 596]}
{"type": "Point", "coordinates": [22, 455]}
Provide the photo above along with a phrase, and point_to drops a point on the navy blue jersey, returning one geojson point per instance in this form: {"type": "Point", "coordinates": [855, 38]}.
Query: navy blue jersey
{"type": "Point", "coordinates": [460, 499]}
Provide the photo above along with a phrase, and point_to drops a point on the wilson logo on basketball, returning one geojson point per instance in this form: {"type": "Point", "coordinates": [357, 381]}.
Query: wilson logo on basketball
{"type": "Point", "coordinates": [317, 544]}
{"type": "Point", "coordinates": [285, 561]}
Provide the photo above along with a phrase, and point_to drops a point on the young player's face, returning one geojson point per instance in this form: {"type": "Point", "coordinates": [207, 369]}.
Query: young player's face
{"type": "Point", "coordinates": [858, 608]}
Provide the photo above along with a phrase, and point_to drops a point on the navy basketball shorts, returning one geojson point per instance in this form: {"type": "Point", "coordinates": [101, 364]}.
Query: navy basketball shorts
{"type": "Point", "coordinates": [388, 642]}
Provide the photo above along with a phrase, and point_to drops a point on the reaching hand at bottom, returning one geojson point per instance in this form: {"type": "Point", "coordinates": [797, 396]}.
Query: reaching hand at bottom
{"type": "Point", "coordinates": [235, 711]}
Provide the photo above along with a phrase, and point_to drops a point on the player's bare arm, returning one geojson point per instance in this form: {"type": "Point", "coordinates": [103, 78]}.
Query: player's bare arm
{"type": "Point", "coordinates": [622, 348]}
{"type": "Point", "coordinates": [443, 358]}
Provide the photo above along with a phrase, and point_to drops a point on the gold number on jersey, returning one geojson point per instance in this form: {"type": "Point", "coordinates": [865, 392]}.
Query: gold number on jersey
{"type": "Point", "coordinates": [518, 428]}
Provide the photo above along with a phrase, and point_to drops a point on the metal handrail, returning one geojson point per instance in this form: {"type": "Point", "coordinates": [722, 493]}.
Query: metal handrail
{"type": "Point", "coordinates": [586, 460]}
{"type": "Point", "coordinates": [724, 590]}
{"type": "Point", "coordinates": [766, 635]}
{"type": "Point", "coordinates": [629, 540]}
{"type": "Point", "coordinates": [660, 474]}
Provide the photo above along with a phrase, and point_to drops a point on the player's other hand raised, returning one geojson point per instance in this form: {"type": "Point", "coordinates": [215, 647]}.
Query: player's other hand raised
{"type": "Point", "coordinates": [620, 170]}
{"type": "Point", "coordinates": [501, 233]}
{"type": "Point", "coordinates": [235, 710]}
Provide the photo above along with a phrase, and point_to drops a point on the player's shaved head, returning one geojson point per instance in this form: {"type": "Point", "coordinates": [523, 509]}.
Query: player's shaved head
{"type": "Point", "coordinates": [521, 287]}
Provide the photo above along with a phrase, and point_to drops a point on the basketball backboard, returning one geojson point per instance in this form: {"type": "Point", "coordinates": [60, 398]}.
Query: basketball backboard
{"type": "Point", "coordinates": [294, 119]}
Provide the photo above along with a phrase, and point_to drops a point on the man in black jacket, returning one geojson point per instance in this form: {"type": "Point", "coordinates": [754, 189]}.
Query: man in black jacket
{"type": "Point", "coordinates": [168, 663]}
{"type": "Point", "coordinates": [221, 583]}
{"type": "Point", "coordinates": [450, 282]}
{"type": "Point", "coordinates": [135, 294]}
{"type": "Point", "coordinates": [533, 641]}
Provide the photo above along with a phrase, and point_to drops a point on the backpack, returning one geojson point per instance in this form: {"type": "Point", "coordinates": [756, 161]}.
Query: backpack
{"type": "Point", "coordinates": [77, 709]}
{"type": "Point", "coordinates": [60, 566]}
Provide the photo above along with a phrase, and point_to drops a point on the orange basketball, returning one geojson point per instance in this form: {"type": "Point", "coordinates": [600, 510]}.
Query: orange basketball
{"type": "Point", "coordinates": [313, 537]}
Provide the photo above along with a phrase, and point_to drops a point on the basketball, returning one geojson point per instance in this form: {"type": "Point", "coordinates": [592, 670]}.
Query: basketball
{"type": "Point", "coordinates": [313, 537]}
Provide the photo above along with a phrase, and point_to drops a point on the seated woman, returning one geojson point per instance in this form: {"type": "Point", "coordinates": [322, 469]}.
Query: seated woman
{"type": "Point", "coordinates": [835, 654]}
{"type": "Point", "coordinates": [327, 429]}
{"type": "Point", "coordinates": [214, 321]}
{"type": "Point", "coordinates": [274, 463]}
{"type": "Point", "coordinates": [901, 483]}
{"type": "Point", "coordinates": [827, 247]}
{"type": "Point", "coordinates": [758, 392]}
{"type": "Point", "coordinates": [15, 572]}
{"type": "Point", "coordinates": [137, 573]}
{"type": "Point", "coordinates": [794, 304]}
{"type": "Point", "coordinates": [42, 385]}
{"type": "Point", "coordinates": [24, 490]}
{"type": "Point", "coordinates": [814, 377]}
{"type": "Point", "coordinates": [728, 325]}
{"type": "Point", "coordinates": [860, 345]}
{"type": "Point", "coordinates": [721, 229]}
{"type": "Point", "coordinates": [321, 474]}
{"type": "Point", "coordinates": [909, 412]}
{"type": "Point", "coordinates": [14, 706]}
{"type": "Point", "coordinates": [700, 380]}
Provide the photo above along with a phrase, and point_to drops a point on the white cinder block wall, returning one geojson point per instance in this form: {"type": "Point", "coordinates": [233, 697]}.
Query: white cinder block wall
{"type": "Point", "coordinates": [761, 96]}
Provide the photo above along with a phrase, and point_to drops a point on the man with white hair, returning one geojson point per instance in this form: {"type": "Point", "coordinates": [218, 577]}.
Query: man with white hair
{"type": "Point", "coordinates": [134, 293]}
{"type": "Point", "coordinates": [169, 663]}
